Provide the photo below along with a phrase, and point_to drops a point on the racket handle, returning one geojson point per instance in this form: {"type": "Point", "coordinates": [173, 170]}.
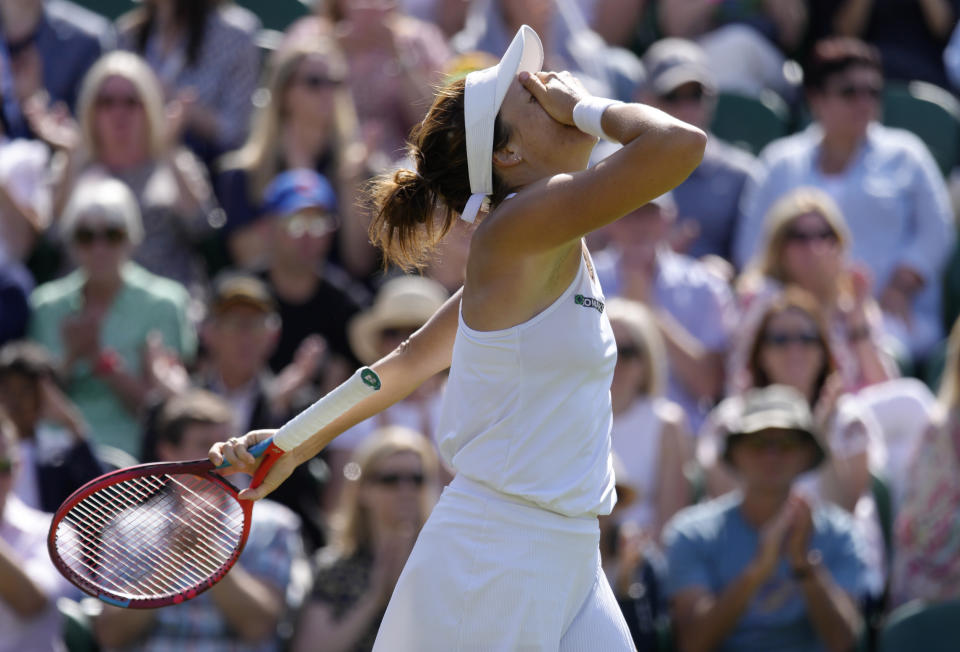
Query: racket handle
{"type": "Point", "coordinates": [300, 428]}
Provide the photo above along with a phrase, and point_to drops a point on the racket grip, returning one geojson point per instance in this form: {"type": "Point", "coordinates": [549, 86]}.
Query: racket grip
{"type": "Point", "coordinates": [271, 453]}
{"type": "Point", "coordinates": [297, 430]}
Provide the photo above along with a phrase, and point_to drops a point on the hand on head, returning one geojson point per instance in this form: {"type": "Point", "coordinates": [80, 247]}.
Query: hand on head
{"type": "Point", "coordinates": [557, 93]}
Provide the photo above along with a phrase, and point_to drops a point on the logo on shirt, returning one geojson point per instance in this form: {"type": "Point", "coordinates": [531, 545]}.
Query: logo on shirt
{"type": "Point", "coordinates": [588, 302]}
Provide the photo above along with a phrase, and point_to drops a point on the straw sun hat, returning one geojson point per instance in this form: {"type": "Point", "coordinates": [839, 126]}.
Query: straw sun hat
{"type": "Point", "coordinates": [402, 302]}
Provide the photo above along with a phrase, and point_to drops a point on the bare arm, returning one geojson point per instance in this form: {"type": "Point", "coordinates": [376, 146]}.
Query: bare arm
{"type": "Point", "coordinates": [701, 620]}
{"type": "Point", "coordinates": [686, 18]}
{"type": "Point", "coordinates": [117, 627]}
{"type": "Point", "coordinates": [700, 370]}
{"type": "Point", "coordinates": [939, 17]}
{"type": "Point", "coordinates": [317, 623]}
{"type": "Point", "coordinates": [673, 491]}
{"type": "Point", "coordinates": [659, 152]}
{"type": "Point", "coordinates": [832, 612]}
{"type": "Point", "coordinates": [17, 589]}
{"type": "Point", "coordinates": [427, 352]}
{"type": "Point", "coordinates": [251, 606]}
{"type": "Point", "coordinates": [852, 16]}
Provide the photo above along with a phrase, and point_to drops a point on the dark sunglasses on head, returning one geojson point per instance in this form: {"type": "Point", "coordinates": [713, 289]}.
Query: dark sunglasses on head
{"type": "Point", "coordinates": [6, 465]}
{"type": "Point", "coordinates": [107, 101]}
{"type": "Point", "coordinates": [695, 94]}
{"type": "Point", "coordinates": [786, 339]}
{"type": "Point", "coordinates": [396, 479]}
{"type": "Point", "coordinates": [113, 235]}
{"type": "Point", "coordinates": [853, 91]}
{"type": "Point", "coordinates": [316, 82]}
{"type": "Point", "coordinates": [799, 236]}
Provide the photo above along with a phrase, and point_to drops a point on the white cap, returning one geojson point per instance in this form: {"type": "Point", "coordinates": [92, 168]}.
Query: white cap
{"type": "Point", "coordinates": [483, 95]}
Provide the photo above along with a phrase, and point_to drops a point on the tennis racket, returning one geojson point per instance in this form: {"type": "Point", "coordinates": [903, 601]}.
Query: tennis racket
{"type": "Point", "coordinates": [158, 534]}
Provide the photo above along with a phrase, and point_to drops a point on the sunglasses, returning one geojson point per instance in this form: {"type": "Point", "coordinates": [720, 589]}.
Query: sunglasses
{"type": "Point", "coordinates": [852, 91]}
{"type": "Point", "coordinates": [783, 340]}
{"type": "Point", "coordinates": [317, 82]}
{"type": "Point", "coordinates": [691, 95]}
{"type": "Point", "coordinates": [629, 352]}
{"type": "Point", "coordinates": [766, 441]}
{"type": "Point", "coordinates": [803, 237]}
{"type": "Point", "coordinates": [396, 479]}
{"type": "Point", "coordinates": [6, 465]}
{"type": "Point", "coordinates": [112, 235]}
{"type": "Point", "coordinates": [315, 226]}
{"type": "Point", "coordinates": [107, 101]}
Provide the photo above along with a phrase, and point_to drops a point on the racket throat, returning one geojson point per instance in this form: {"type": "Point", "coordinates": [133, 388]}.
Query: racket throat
{"type": "Point", "coordinates": [270, 456]}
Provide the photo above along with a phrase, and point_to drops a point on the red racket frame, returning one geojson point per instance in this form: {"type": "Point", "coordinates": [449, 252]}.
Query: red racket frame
{"type": "Point", "coordinates": [202, 468]}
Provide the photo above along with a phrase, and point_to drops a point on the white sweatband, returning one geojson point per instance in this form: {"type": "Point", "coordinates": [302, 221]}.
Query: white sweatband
{"type": "Point", "coordinates": [587, 114]}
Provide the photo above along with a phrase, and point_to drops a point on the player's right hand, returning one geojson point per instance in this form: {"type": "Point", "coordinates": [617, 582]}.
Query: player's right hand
{"type": "Point", "coordinates": [557, 93]}
{"type": "Point", "coordinates": [235, 452]}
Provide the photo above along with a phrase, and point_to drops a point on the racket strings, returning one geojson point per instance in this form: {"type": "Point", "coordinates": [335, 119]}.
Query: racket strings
{"type": "Point", "coordinates": [151, 536]}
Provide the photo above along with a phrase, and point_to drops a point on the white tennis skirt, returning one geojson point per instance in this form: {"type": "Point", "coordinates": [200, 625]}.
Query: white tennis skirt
{"type": "Point", "coordinates": [491, 572]}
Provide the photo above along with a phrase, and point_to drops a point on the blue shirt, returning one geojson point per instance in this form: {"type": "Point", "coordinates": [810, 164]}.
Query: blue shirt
{"type": "Point", "coordinates": [709, 546]}
{"type": "Point", "coordinates": [892, 197]}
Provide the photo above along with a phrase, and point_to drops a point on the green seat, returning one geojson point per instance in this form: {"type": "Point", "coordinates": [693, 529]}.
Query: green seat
{"type": "Point", "coordinates": [750, 122]}
{"type": "Point", "coordinates": [110, 9]}
{"type": "Point", "coordinates": [922, 626]}
{"type": "Point", "coordinates": [276, 14]}
{"type": "Point", "coordinates": [930, 112]}
{"type": "Point", "coordinates": [882, 499]}
{"type": "Point", "coordinates": [78, 633]}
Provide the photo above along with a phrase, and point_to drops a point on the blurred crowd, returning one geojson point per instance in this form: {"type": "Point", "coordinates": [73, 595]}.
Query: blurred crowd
{"type": "Point", "coordinates": [184, 257]}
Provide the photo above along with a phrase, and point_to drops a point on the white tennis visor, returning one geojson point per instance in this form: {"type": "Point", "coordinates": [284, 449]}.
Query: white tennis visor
{"type": "Point", "coordinates": [483, 95]}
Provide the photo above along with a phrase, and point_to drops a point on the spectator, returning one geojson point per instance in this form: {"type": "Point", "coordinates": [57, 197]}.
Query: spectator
{"type": "Point", "coordinates": [242, 610]}
{"type": "Point", "coordinates": [239, 335]}
{"type": "Point", "coordinates": [789, 346]}
{"type": "Point", "coordinates": [29, 584]}
{"type": "Point", "coordinates": [927, 532]}
{"type": "Point", "coordinates": [634, 567]}
{"type": "Point", "coordinates": [314, 296]}
{"type": "Point", "coordinates": [807, 244]}
{"type": "Point", "coordinates": [884, 180]}
{"type": "Point", "coordinates": [305, 118]}
{"type": "Point", "coordinates": [125, 133]}
{"type": "Point", "coordinates": [51, 44]}
{"type": "Point", "coordinates": [395, 61]}
{"type": "Point", "coordinates": [390, 490]}
{"type": "Point", "coordinates": [569, 43]}
{"type": "Point", "coordinates": [649, 434]}
{"type": "Point", "coordinates": [910, 36]}
{"type": "Point", "coordinates": [693, 308]}
{"type": "Point", "coordinates": [708, 202]}
{"type": "Point", "coordinates": [54, 452]}
{"type": "Point", "coordinates": [764, 569]}
{"type": "Point", "coordinates": [204, 54]}
{"type": "Point", "coordinates": [96, 320]}
{"type": "Point", "coordinates": [745, 41]}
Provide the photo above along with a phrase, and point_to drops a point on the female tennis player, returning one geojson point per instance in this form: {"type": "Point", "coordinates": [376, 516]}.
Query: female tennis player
{"type": "Point", "coordinates": [509, 558]}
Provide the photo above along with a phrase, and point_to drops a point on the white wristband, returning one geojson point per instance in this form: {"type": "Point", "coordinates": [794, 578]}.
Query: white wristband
{"type": "Point", "coordinates": [587, 114]}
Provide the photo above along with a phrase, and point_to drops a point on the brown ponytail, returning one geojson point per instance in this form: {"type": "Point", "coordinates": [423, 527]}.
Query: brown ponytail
{"type": "Point", "coordinates": [414, 209]}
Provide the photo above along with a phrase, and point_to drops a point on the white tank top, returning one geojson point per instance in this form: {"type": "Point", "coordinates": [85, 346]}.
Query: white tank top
{"type": "Point", "coordinates": [527, 409]}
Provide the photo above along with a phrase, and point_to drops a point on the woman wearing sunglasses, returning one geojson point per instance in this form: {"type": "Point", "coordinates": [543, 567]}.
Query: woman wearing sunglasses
{"type": "Point", "coordinates": [98, 320]}
{"type": "Point", "coordinates": [790, 346]}
{"type": "Point", "coordinates": [807, 244]}
{"type": "Point", "coordinates": [389, 488]}
{"type": "Point", "coordinates": [124, 130]}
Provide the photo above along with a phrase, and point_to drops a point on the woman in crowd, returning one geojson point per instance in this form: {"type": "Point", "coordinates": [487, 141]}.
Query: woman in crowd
{"type": "Point", "coordinates": [125, 132]}
{"type": "Point", "coordinates": [204, 54]}
{"type": "Point", "coordinates": [391, 483]}
{"type": "Point", "coordinates": [98, 320]}
{"type": "Point", "coordinates": [305, 118]}
{"type": "Point", "coordinates": [807, 244]}
{"type": "Point", "coordinates": [510, 558]}
{"type": "Point", "coordinates": [649, 432]}
{"type": "Point", "coordinates": [790, 346]}
{"type": "Point", "coordinates": [926, 564]}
